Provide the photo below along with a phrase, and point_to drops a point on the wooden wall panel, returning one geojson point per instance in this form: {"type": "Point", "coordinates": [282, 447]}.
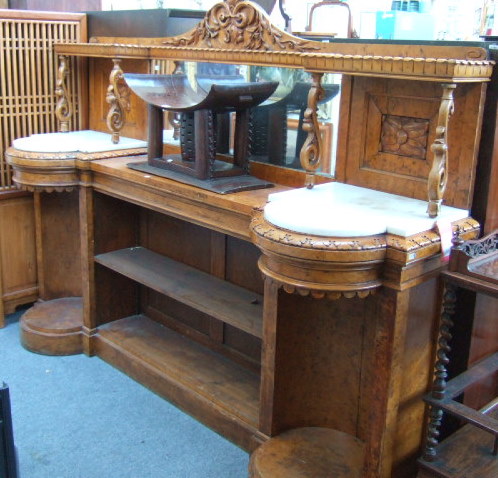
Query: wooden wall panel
{"type": "Point", "coordinates": [18, 277]}
{"type": "Point", "coordinates": [136, 119]}
{"type": "Point", "coordinates": [391, 128]}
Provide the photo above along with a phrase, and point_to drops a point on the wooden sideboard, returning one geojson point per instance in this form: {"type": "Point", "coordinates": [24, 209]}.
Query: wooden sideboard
{"type": "Point", "coordinates": [253, 329]}
{"type": "Point", "coordinates": [172, 295]}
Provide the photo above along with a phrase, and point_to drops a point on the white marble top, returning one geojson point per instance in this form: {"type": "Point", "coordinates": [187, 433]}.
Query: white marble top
{"type": "Point", "coordinates": [342, 210]}
{"type": "Point", "coordinates": [86, 141]}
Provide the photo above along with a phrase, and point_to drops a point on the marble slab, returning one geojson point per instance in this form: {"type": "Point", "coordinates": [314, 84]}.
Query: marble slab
{"type": "Point", "coordinates": [85, 141]}
{"type": "Point", "coordinates": [343, 210]}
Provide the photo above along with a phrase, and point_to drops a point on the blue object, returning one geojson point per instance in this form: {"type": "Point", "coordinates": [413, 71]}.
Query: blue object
{"type": "Point", "coordinates": [404, 25]}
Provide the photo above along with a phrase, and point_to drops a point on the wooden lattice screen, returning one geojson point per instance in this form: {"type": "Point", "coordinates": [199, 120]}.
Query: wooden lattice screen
{"type": "Point", "coordinates": [28, 67]}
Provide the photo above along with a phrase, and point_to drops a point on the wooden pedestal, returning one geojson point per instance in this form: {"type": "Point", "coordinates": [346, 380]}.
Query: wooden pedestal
{"type": "Point", "coordinates": [54, 327]}
{"type": "Point", "coordinates": [308, 453]}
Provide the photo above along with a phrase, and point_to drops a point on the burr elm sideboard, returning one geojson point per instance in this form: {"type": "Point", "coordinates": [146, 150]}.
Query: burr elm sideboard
{"type": "Point", "coordinates": [248, 325]}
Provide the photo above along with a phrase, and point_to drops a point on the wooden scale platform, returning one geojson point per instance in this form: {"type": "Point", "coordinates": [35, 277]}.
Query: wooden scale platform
{"type": "Point", "coordinates": [226, 307]}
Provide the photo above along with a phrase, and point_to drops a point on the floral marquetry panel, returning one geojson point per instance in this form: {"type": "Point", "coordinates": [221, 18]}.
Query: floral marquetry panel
{"type": "Point", "coordinates": [404, 136]}
{"type": "Point", "coordinates": [387, 144]}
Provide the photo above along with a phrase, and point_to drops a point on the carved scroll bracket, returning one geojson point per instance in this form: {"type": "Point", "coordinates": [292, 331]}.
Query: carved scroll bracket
{"type": "Point", "coordinates": [438, 176]}
{"type": "Point", "coordinates": [118, 96]}
{"type": "Point", "coordinates": [312, 148]}
{"type": "Point", "coordinates": [64, 108]}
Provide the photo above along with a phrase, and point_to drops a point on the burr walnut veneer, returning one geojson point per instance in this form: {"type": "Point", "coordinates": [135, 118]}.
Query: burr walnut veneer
{"type": "Point", "coordinates": [251, 328]}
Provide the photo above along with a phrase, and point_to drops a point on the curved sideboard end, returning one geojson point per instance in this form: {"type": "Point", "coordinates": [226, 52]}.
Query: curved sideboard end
{"type": "Point", "coordinates": [341, 240]}
{"type": "Point", "coordinates": [51, 162]}
{"type": "Point", "coordinates": [316, 265]}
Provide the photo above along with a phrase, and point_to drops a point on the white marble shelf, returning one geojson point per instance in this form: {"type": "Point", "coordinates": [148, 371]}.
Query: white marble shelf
{"type": "Point", "coordinates": [343, 210]}
{"type": "Point", "coordinates": [86, 141]}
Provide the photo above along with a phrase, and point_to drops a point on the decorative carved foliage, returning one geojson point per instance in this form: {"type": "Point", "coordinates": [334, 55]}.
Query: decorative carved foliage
{"type": "Point", "coordinates": [118, 96]}
{"type": "Point", "coordinates": [44, 189]}
{"type": "Point", "coordinates": [438, 177]}
{"type": "Point", "coordinates": [63, 109]}
{"type": "Point", "coordinates": [481, 247]}
{"type": "Point", "coordinates": [241, 25]}
{"type": "Point", "coordinates": [404, 136]}
{"type": "Point", "coordinates": [320, 294]}
{"type": "Point", "coordinates": [312, 148]}
{"type": "Point", "coordinates": [264, 229]}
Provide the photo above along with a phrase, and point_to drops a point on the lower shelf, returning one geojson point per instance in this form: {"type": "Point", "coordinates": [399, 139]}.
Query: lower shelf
{"type": "Point", "coordinates": [219, 393]}
{"type": "Point", "coordinates": [467, 453]}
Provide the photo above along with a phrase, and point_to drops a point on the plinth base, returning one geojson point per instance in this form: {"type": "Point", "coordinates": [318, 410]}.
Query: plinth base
{"type": "Point", "coordinates": [54, 327]}
{"type": "Point", "coordinates": [309, 453]}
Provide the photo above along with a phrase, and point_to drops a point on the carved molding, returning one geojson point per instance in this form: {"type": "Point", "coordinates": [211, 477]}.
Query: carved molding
{"type": "Point", "coordinates": [404, 136]}
{"type": "Point", "coordinates": [479, 247]}
{"type": "Point", "coordinates": [320, 294]}
{"type": "Point", "coordinates": [118, 96]}
{"type": "Point", "coordinates": [55, 172]}
{"type": "Point", "coordinates": [311, 151]}
{"type": "Point", "coordinates": [412, 245]}
{"type": "Point", "coordinates": [43, 189]}
{"type": "Point", "coordinates": [63, 108]}
{"type": "Point", "coordinates": [266, 230]}
{"type": "Point", "coordinates": [14, 155]}
{"type": "Point", "coordinates": [416, 68]}
{"type": "Point", "coordinates": [428, 238]}
{"type": "Point", "coordinates": [438, 176]}
{"type": "Point", "coordinates": [241, 25]}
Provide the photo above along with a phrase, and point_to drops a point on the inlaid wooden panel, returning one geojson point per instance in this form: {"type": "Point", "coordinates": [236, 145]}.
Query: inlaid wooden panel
{"type": "Point", "coordinates": [418, 353]}
{"type": "Point", "coordinates": [319, 364]}
{"type": "Point", "coordinates": [392, 125]}
{"type": "Point", "coordinates": [59, 248]}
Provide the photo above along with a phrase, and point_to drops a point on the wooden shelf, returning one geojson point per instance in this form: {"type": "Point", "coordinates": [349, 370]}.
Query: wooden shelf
{"type": "Point", "coordinates": [467, 453]}
{"type": "Point", "coordinates": [222, 300]}
{"type": "Point", "coordinates": [220, 393]}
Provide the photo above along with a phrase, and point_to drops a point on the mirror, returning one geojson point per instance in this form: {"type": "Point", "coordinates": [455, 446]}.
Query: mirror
{"type": "Point", "coordinates": [276, 123]}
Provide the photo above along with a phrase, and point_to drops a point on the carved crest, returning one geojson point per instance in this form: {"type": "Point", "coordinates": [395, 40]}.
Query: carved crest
{"type": "Point", "coordinates": [239, 24]}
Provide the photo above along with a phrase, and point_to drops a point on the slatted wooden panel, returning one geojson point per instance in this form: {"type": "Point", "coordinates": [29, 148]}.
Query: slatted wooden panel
{"type": "Point", "coordinates": [28, 68]}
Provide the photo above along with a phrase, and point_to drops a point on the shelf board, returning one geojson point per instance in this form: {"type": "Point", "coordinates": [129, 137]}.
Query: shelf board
{"type": "Point", "coordinates": [222, 394]}
{"type": "Point", "coordinates": [222, 300]}
{"type": "Point", "coordinates": [467, 453]}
